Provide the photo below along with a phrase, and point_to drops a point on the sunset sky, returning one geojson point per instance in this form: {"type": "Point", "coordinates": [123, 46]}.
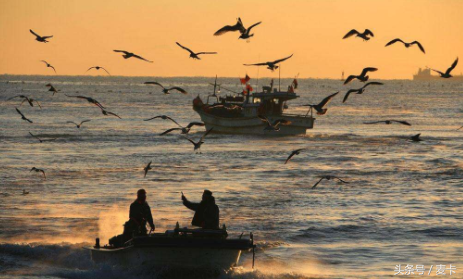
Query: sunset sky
{"type": "Point", "coordinates": [86, 32]}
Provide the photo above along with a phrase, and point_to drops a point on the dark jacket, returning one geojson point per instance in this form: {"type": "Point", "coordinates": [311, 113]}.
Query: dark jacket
{"type": "Point", "coordinates": [140, 213]}
{"type": "Point", "coordinates": [206, 213]}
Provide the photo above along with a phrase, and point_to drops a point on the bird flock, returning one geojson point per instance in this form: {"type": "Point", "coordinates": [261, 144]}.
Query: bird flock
{"type": "Point", "coordinates": [245, 34]}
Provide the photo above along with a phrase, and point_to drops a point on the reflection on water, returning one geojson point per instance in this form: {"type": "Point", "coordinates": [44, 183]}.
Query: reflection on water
{"type": "Point", "coordinates": [402, 205]}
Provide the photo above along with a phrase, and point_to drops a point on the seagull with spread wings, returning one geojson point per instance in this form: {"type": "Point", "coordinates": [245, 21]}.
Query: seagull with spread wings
{"type": "Point", "coordinates": [193, 54]}
{"type": "Point", "coordinates": [245, 33]}
{"type": "Point", "coordinates": [365, 35]}
{"type": "Point", "coordinates": [40, 38]}
{"type": "Point", "coordinates": [184, 130]}
{"type": "Point", "coordinates": [166, 90]}
{"type": "Point", "coordinates": [90, 100]}
{"type": "Point", "coordinates": [388, 122]}
{"type": "Point", "coordinates": [49, 65]}
{"type": "Point", "coordinates": [447, 73]}
{"type": "Point", "coordinates": [23, 117]}
{"type": "Point", "coordinates": [275, 125]}
{"type": "Point", "coordinates": [328, 177]}
{"type": "Point", "coordinates": [39, 170]}
{"type": "Point", "coordinates": [407, 45]}
{"type": "Point", "coordinates": [108, 113]}
{"type": "Point", "coordinates": [41, 140]}
{"type": "Point", "coordinates": [98, 68]}
{"type": "Point", "coordinates": [197, 145]}
{"type": "Point", "coordinates": [127, 55]}
{"type": "Point", "coordinates": [319, 108]}
{"type": "Point", "coordinates": [25, 98]}
{"type": "Point", "coordinates": [52, 89]}
{"type": "Point", "coordinates": [78, 125]}
{"type": "Point", "coordinates": [360, 90]}
{"type": "Point", "coordinates": [147, 168]}
{"type": "Point", "coordinates": [363, 75]}
{"type": "Point", "coordinates": [164, 117]}
{"type": "Point", "coordinates": [270, 65]}
{"type": "Point", "coordinates": [295, 152]}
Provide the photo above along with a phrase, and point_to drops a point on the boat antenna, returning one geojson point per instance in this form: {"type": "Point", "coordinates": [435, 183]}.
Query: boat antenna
{"type": "Point", "coordinates": [257, 82]}
{"type": "Point", "coordinates": [215, 84]}
{"type": "Point", "coordinates": [279, 78]}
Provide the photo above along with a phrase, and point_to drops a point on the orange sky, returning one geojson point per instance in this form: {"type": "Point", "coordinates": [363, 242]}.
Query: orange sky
{"type": "Point", "coordinates": [86, 32]}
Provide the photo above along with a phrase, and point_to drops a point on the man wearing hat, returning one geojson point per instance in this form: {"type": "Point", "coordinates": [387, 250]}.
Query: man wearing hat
{"type": "Point", "coordinates": [206, 212]}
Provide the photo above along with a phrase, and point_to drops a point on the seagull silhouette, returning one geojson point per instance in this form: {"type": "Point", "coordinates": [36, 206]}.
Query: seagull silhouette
{"type": "Point", "coordinates": [360, 90]}
{"type": "Point", "coordinates": [270, 65]}
{"type": "Point", "coordinates": [319, 108]}
{"type": "Point", "coordinates": [25, 98]}
{"type": "Point", "coordinates": [328, 177]}
{"type": "Point", "coordinates": [416, 138]}
{"type": "Point", "coordinates": [131, 54]}
{"type": "Point", "coordinates": [388, 122]}
{"type": "Point", "coordinates": [295, 152]}
{"type": "Point", "coordinates": [78, 125]}
{"type": "Point", "coordinates": [197, 145]}
{"type": "Point", "coordinates": [90, 100]}
{"type": "Point", "coordinates": [147, 168]}
{"type": "Point", "coordinates": [98, 68]}
{"type": "Point", "coordinates": [365, 35]}
{"type": "Point", "coordinates": [49, 65]}
{"type": "Point", "coordinates": [164, 117]}
{"type": "Point", "coordinates": [193, 54]}
{"type": "Point", "coordinates": [245, 33]}
{"type": "Point", "coordinates": [447, 73]}
{"type": "Point", "coordinates": [108, 113]}
{"type": "Point", "coordinates": [41, 140]}
{"type": "Point", "coordinates": [185, 130]}
{"type": "Point", "coordinates": [166, 90]}
{"type": "Point", "coordinates": [459, 128]}
{"type": "Point", "coordinates": [52, 89]}
{"type": "Point", "coordinates": [40, 38]}
{"type": "Point", "coordinates": [22, 116]}
{"type": "Point", "coordinates": [39, 170]}
{"type": "Point", "coordinates": [407, 45]}
{"type": "Point", "coordinates": [275, 125]}
{"type": "Point", "coordinates": [363, 75]}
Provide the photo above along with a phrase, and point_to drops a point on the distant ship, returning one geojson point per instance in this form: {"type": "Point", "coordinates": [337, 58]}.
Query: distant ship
{"type": "Point", "coordinates": [425, 74]}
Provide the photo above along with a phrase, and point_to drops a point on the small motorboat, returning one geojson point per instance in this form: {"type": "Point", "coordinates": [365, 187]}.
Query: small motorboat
{"type": "Point", "coordinates": [179, 248]}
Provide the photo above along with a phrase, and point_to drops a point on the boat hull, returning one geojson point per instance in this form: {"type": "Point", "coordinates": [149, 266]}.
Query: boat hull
{"type": "Point", "coordinates": [172, 257]}
{"type": "Point", "coordinates": [255, 126]}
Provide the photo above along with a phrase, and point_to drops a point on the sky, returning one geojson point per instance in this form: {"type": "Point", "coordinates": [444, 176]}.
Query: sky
{"type": "Point", "coordinates": [86, 33]}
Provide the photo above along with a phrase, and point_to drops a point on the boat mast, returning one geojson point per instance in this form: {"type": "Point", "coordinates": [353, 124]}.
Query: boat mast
{"type": "Point", "coordinates": [279, 78]}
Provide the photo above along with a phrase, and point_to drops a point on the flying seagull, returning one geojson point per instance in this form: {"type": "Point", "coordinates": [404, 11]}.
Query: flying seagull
{"type": "Point", "coordinates": [165, 117]}
{"type": "Point", "coordinates": [39, 170]}
{"type": "Point", "coordinates": [98, 68]}
{"type": "Point", "coordinates": [185, 130]}
{"type": "Point", "coordinates": [447, 73]}
{"type": "Point", "coordinates": [295, 152]}
{"type": "Point", "coordinates": [275, 125]}
{"type": "Point", "coordinates": [407, 45]}
{"type": "Point", "coordinates": [328, 177]}
{"type": "Point", "coordinates": [360, 90]}
{"type": "Point", "coordinates": [131, 54]}
{"type": "Point", "coordinates": [166, 90]}
{"type": "Point", "coordinates": [197, 145]}
{"type": "Point", "coordinates": [40, 38]}
{"type": "Point", "coordinates": [49, 65]}
{"type": "Point", "coordinates": [319, 108]}
{"type": "Point", "coordinates": [52, 89]}
{"type": "Point", "coordinates": [365, 35]}
{"type": "Point", "coordinates": [192, 54]}
{"type": "Point", "coordinates": [388, 122]}
{"type": "Point", "coordinates": [78, 125]}
{"type": "Point", "coordinates": [416, 137]}
{"type": "Point", "coordinates": [90, 100]}
{"type": "Point", "coordinates": [459, 128]}
{"type": "Point", "coordinates": [25, 192]}
{"type": "Point", "coordinates": [107, 113]}
{"type": "Point", "coordinates": [363, 75]}
{"type": "Point", "coordinates": [41, 140]}
{"type": "Point", "coordinates": [270, 65]}
{"type": "Point", "coordinates": [245, 33]}
{"type": "Point", "coordinates": [22, 116]}
{"type": "Point", "coordinates": [147, 168]}
{"type": "Point", "coordinates": [25, 98]}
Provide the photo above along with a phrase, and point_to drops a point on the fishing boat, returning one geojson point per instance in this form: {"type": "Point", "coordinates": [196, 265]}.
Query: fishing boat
{"type": "Point", "coordinates": [181, 248]}
{"type": "Point", "coordinates": [242, 113]}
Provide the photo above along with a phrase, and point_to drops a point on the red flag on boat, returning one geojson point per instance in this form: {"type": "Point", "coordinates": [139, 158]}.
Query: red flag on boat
{"type": "Point", "coordinates": [245, 79]}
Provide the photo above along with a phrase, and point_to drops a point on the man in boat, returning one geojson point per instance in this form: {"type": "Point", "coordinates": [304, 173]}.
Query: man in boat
{"type": "Point", "coordinates": [206, 212]}
{"type": "Point", "coordinates": [139, 215]}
